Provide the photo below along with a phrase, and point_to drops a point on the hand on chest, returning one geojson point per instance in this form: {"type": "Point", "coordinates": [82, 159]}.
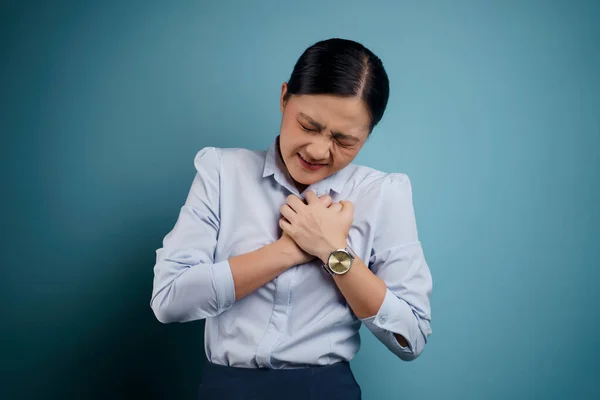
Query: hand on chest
{"type": "Point", "coordinates": [252, 221]}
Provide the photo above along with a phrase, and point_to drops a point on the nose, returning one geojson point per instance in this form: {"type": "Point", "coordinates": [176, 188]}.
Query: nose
{"type": "Point", "coordinates": [318, 151]}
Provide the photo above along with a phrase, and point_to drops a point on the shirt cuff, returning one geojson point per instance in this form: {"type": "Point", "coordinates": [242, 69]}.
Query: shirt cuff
{"type": "Point", "coordinates": [222, 281]}
{"type": "Point", "coordinates": [394, 316]}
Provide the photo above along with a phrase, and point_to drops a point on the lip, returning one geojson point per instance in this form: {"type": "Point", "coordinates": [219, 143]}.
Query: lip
{"type": "Point", "coordinates": [310, 167]}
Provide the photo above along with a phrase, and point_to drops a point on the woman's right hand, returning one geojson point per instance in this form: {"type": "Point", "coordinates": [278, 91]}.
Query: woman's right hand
{"type": "Point", "coordinates": [299, 256]}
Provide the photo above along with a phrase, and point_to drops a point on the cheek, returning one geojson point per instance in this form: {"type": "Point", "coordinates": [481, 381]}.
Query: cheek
{"type": "Point", "coordinates": [291, 130]}
{"type": "Point", "coordinates": [291, 138]}
{"type": "Point", "coordinates": [343, 157]}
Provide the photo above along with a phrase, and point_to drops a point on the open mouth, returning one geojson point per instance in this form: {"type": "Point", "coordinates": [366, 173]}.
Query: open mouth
{"type": "Point", "coordinates": [308, 165]}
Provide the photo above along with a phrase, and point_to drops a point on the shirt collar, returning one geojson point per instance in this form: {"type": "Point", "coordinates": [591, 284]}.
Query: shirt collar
{"type": "Point", "coordinates": [274, 166]}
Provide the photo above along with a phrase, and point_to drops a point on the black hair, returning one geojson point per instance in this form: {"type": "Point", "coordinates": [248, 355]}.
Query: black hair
{"type": "Point", "coordinates": [342, 67]}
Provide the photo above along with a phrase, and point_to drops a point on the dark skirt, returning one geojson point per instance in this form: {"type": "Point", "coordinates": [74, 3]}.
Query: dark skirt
{"type": "Point", "coordinates": [330, 382]}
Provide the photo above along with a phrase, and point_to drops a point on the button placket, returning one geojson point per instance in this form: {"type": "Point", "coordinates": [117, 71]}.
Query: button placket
{"type": "Point", "coordinates": [277, 321]}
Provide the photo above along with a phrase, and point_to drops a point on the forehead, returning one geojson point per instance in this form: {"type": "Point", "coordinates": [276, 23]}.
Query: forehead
{"type": "Point", "coordinates": [346, 114]}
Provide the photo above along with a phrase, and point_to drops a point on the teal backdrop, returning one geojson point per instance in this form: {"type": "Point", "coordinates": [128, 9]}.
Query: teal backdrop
{"type": "Point", "coordinates": [494, 114]}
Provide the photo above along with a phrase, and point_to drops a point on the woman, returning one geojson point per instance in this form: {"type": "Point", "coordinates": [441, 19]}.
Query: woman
{"type": "Point", "coordinates": [286, 252]}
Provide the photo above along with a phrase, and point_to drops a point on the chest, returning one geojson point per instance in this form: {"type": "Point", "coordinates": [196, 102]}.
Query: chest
{"type": "Point", "coordinates": [249, 218]}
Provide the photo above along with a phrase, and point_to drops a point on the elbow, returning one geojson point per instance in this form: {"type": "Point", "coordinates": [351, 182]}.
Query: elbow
{"type": "Point", "coordinates": [191, 294]}
{"type": "Point", "coordinates": [409, 355]}
{"type": "Point", "coordinates": [168, 310]}
{"type": "Point", "coordinates": [163, 315]}
{"type": "Point", "coordinates": [162, 311]}
{"type": "Point", "coordinates": [412, 352]}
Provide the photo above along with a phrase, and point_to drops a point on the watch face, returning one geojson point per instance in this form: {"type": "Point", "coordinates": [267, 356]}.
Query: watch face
{"type": "Point", "coordinates": [340, 262]}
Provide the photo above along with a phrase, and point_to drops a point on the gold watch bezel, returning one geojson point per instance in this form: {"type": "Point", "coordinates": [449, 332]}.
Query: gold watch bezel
{"type": "Point", "coordinates": [340, 261]}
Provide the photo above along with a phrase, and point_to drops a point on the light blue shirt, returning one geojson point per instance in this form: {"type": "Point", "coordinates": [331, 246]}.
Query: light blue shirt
{"type": "Point", "coordinates": [300, 318]}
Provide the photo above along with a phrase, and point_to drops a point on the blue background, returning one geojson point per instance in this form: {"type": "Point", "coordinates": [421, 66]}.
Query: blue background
{"type": "Point", "coordinates": [494, 114]}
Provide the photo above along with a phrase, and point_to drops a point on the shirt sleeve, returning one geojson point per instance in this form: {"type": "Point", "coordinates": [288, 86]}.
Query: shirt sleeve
{"type": "Point", "coordinates": [397, 258]}
{"type": "Point", "coordinates": [188, 285]}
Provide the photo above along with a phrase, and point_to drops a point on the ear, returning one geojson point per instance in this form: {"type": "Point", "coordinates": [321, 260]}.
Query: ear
{"type": "Point", "coordinates": [284, 88]}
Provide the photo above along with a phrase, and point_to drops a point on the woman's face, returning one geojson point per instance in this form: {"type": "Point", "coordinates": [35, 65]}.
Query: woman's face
{"type": "Point", "coordinates": [320, 134]}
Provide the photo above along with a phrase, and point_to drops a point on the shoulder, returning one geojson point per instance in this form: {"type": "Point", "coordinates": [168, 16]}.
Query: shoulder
{"type": "Point", "coordinates": [217, 158]}
{"type": "Point", "coordinates": [367, 179]}
{"type": "Point", "coordinates": [386, 197]}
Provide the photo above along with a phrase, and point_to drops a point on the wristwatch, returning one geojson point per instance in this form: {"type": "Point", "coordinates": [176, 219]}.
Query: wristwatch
{"type": "Point", "coordinates": [340, 261]}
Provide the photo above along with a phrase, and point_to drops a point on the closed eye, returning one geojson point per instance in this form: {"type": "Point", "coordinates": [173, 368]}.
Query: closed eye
{"type": "Point", "coordinates": [307, 129]}
{"type": "Point", "coordinates": [343, 143]}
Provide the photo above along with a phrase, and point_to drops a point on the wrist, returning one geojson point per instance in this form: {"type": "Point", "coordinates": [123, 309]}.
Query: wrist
{"type": "Point", "coordinates": [330, 248]}
{"type": "Point", "coordinates": [289, 250]}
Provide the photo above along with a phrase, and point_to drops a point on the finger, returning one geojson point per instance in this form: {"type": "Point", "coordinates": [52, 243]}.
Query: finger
{"type": "Point", "coordinates": [347, 208]}
{"type": "Point", "coordinates": [285, 226]}
{"type": "Point", "coordinates": [326, 200]}
{"type": "Point", "coordinates": [311, 197]}
{"type": "Point", "coordinates": [295, 203]}
{"type": "Point", "coordinates": [336, 207]}
{"type": "Point", "coordinates": [287, 212]}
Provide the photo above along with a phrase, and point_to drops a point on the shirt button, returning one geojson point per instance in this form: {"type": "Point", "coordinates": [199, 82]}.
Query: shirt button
{"type": "Point", "coordinates": [383, 318]}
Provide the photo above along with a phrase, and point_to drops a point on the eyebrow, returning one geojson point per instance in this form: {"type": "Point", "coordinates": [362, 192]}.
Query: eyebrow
{"type": "Point", "coordinates": [321, 127]}
{"type": "Point", "coordinates": [312, 121]}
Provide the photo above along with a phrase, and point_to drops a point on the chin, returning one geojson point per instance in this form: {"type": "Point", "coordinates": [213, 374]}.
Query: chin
{"type": "Point", "coordinates": [307, 179]}
{"type": "Point", "coordinates": [303, 179]}
{"type": "Point", "coordinates": [302, 176]}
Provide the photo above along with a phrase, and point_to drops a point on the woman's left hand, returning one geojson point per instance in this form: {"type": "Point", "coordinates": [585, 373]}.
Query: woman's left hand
{"type": "Point", "coordinates": [315, 228]}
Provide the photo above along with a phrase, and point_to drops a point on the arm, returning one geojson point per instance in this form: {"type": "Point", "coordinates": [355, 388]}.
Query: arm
{"type": "Point", "coordinates": [392, 296]}
{"type": "Point", "coordinates": [399, 278]}
{"type": "Point", "coordinates": [383, 307]}
{"type": "Point", "coordinates": [188, 285]}
{"type": "Point", "coordinates": [364, 291]}
{"type": "Point", "coordinates": [253, 270]}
